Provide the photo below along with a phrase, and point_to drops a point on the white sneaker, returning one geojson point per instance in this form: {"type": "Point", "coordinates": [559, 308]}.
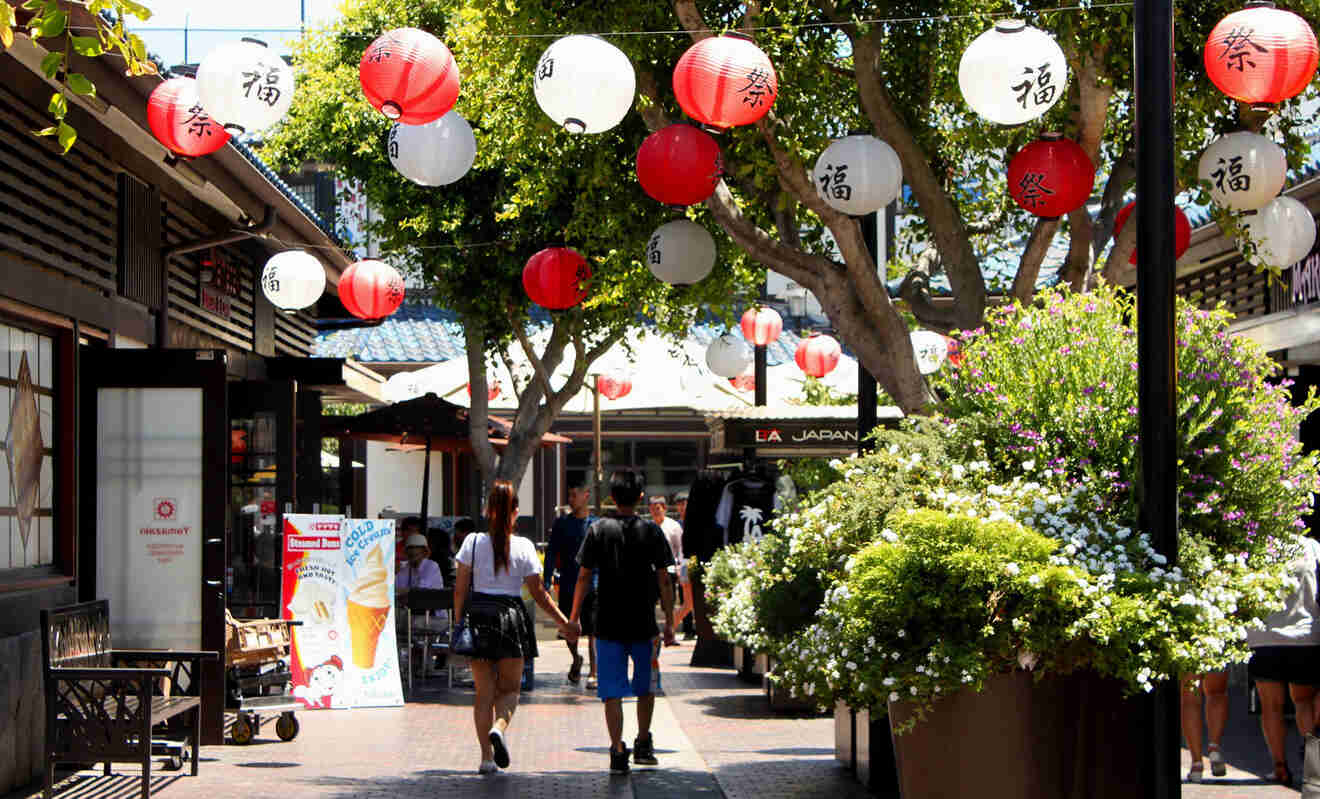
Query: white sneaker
{"type": "Point", "coordinates": [488, 767]}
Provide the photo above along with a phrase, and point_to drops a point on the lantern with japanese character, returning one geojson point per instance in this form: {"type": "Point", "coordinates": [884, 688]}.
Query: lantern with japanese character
{"type": "Point", "coordinates": [723, 81]}
{"type": "Point", "coordinates": [614, 386]}
{"type": "Point", "coordinates": [679, 165]}
{"type": "Point", "coordinates": [1245, 171]}
{"type": "Point", "coordinates": [1051, 176]}
{"type": "Point", "coordinates": [1182, 230]}
{"type": "Point", "coordinates": [371, 289]}
{"type": "Point", "coordinates": [1012, 73]}
{"type": "Point", "coordinates": [435, 154]}
{"type": "Point", "coordinates": [179, 122]}
{"type": "Point", "coordinates": [556, 278]}
{"type": "Point", "coordinates": [585, 84]}
{"type": "Point", "coordinates": [680, 252]}
{"type": "Point", "coordinates": [817, 355]}
{"type": "Point", "coordinates": [728, 356]}
{"type": "Point", "coordinates": [492, 390]}
{"type": "Point", "coordinates": [1261, 54]}
{"type": "Point", "coordinates": [245, 86]}
{"type": "Point", "coordinates": [858, 175]}
{"type": "Point", "coordinates": [1282, 232]}
{"type": "Point", "coordinates": [293, 280]}
{"type": "Point", "coordinates": [930, 349]}
{"type": "Point", "coordinates": [761, 326]}
{"type": "Point", "coordinates": [409, 76]}
{"type": "Point", "coordinates": [744, 382]}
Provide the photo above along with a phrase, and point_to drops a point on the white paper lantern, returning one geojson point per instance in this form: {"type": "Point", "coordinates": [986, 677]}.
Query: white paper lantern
{"type": "Point", "coordinates": [1245, 170]}
{"type": "Point", "coordinates": [435, 154]}
{"type": "Point", "coordinates": [680, 252]}
{"type": "Point", "coordinates": [293, 280]}
{"type": "Point", "coordinates": [729, 355]}
{"type": "Point", "coordinates": [1283, 232]}
{"type": "Point", "coordinates": [930, 350]}
{"type": "Point", "coordinates": [858, 175]}
{"type": "Point", "coordinates": [585, 84]}
{"type": "Point", "coordinates": [1013, 73]}
{"type": "Point", "coordinates": [245, 86]}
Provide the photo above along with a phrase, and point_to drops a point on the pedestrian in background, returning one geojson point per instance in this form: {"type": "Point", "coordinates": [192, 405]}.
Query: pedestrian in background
{"type": "Point", "coordinates": [566, 538]}
{"type": "Point", "coordinates": [631, 559]}
{"type": "Point", "coordinates": [674, 535]}
{"type": "Point", "coordinates": [1214, 686]}
{"type": "Point", "coordinates": [497, 565]}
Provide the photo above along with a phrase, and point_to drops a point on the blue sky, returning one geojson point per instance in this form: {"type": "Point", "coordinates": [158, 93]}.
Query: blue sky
{"type": "Point", "coordinates": [263, 19]}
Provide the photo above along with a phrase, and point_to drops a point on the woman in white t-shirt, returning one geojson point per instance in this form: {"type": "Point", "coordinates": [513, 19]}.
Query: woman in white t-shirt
{"type": "Point", "coordinates": [497, 566]}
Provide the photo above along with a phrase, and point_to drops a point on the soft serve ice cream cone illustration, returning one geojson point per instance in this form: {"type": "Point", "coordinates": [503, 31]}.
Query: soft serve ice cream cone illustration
{"type": "Point", "coordinates": [368, 609]}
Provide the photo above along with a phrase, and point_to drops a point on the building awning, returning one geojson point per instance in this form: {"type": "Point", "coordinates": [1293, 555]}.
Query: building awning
{"type": "Point", "coordinates": [338, 379]}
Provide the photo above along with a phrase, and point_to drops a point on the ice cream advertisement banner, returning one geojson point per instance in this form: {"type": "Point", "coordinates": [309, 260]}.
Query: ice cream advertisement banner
{"type": "Point", "coordinates": [337, 582]}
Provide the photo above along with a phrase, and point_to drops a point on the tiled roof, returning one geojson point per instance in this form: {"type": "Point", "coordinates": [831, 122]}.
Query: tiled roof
{"type": "Point", "coordinates": [285, 189]}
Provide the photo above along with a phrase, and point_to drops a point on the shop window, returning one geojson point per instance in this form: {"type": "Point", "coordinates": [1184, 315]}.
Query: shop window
{"type": "Point", "coordinates": [27, 465]}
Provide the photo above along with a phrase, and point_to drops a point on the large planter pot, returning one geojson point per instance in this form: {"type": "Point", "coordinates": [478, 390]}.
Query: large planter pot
{"type": "Point", "coordinates": [1067, 737]}
{"type": "Point", "coordinates": [749, 665]}
{"type": "Point", "coordinates": [845, 732]}
{"type": "Point", "coordinates": [876, 767]}
{"type": "Point", "coordinates": [710, 652]}
{"type": "Point", "coordinates": [781, 700]}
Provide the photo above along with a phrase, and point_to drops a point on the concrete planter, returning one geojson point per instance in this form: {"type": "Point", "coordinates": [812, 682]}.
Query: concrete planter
{"type": "Point", "coordinates": [750, 666]}
{"type": "Point", "coordinates": [1067, 737]}
{"type": "Point", "coordinates": [781, 700]}
{"type": "Point", "coordinates": [845, 736]}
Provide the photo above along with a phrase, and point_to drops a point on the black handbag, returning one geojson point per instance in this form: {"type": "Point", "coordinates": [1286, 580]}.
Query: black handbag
{"type": "Point", "coordinates": [463, 640]}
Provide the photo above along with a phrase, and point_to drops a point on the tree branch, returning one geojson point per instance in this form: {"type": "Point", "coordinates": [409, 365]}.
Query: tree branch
{"type": "Point", "coordinates": [474, 339]}
{"type": "Point", "coordinates": [538, 367]}
{"type": "Point", "coordinates": [1125, 243]}
{"type": "Point", "coordinates": [690, 17]}
{"type": "Point", "coordinates": [1028, 272]}
{"type": "Point", "coordinates": [1121, 175]}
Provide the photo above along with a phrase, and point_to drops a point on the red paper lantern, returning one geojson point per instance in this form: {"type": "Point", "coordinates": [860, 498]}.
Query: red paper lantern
{"type": "Point", "coordinates": [556, 278]}
{"type": "Point", "coordinates": [679, 165]}
{"type": "Point", "coordinates": [1051, 176]}
{"type": "Point", "coordinates": [761, 326]}
{"type": "Point", "coordinates": [744, 382]}
{"type": "Point", "coordinates": [178, 121]}
{"type": "Point", "coordinates": [817, 355]}
{"type": "Point", "coordinates": [1261, 54]}
{"type": "Point", "coordinates": [614, 386]}
{"type": "Point", "coordinates": [409, 76]}
{"type": "Point", "coordinates": [237, 445]}
{"type": "Point", "coordinates": [724, 81]}
{"type": "Point", "coordinates": [1182, 230]}
{"type": "Point", "coordinates": [371, 289]}
{"type": "Point", "coordinates": [492, 390]}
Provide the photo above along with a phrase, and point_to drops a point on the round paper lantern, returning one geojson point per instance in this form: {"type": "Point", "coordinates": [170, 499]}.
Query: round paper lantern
{"type": "Point", "coordinates": [1012, 73]}
{"type": "Point", "coordinates": [761, 326]}
{"type": "Point", "coordinates": [409, 76]}
{"type": "Point", "coordinates": [1182, 230]}
{"type": "Point", "coordinates": [679, 165]}
{"type": "Point", "coordinates": [585, 84]}
{"type": "Point", "coordinates": [744, 382]}
{"type": "Point", "coordinates": [724, 81]}
{"type": "Point", "coordinates": [435, 154]}
{"type": "Point", "coordinates": [492, 390]}
{"type": "Point", "coordinates": [1051, 176]}
{"type": "Point", "coordinates": [930, 349]}
{"type": "Point", "coordinates": [245, 86]}
{"type": "Point", "coordinates": [817, 355]}
{"type": "Point", "coordinates": [1261, 54]}
{"type": "Point", "coordinates": [179, 122]}
{"type": "Point", "coordinates": [680, 252]}
{"type": "Point", "coordinates": [293, 280]}
{"type": "Point", "coordinates": [556, 278]}
{"type": "Point", "coordinates": [858, 175]}
{"type": "Point", "coordinates": [371, 289]}
{"type": "Point", "coordinates": [613, 386]}
{"type": "Point", "coordinates": [1245, 170]}
{"type": "Point", "coordinates": [1282, 232]}
{"type": "Point", "coordinates": [729, 355]}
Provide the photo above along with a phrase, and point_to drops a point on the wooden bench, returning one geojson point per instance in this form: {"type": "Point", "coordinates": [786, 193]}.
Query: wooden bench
{"type": "Point", "coordinates": [102, 703]}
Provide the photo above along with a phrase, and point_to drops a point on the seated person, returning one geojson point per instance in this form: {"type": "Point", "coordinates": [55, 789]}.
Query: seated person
{"type": "Point", "coordinates": [419, 571]}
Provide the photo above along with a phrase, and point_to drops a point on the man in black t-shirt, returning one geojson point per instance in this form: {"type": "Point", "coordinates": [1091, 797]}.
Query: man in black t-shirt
{"type": "Point", "coordinates": [630, 557]}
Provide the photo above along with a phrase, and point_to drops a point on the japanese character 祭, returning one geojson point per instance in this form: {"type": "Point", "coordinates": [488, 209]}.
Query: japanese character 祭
{"type": "Point", "coordinates": [1033, 188]}
{"type": "Point", "coordinates": [1230, 171]}
{"type": "Point", "coordinates": [757, 88]}
{"type": "Point", "coordinates": [834, 182]}
{"type": "Point", "coordinates": [382, 50]}
{"type": "Point", "coordinates": [546, 69]}
{"type": "Point", "coordinates": [265, 78]}
{"type": "Point", "coordinates": [1238, 49]}
{"type": "Point", "coordinates": [395, 290]}
{"type": "Point", "coordinates": [653, 253]}
{"type": "Point", "coordinates": [198, 123]}
{"type": "Point", "coordinates": [1037, 86]}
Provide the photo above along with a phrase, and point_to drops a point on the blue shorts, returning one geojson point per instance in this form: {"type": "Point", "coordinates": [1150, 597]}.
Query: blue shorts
{"type": "Point", "coordinates": [612, 668]}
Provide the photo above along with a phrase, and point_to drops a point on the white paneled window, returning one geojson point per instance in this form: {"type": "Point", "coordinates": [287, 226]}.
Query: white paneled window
{"type": "Point", "coordinates": [27, 468]}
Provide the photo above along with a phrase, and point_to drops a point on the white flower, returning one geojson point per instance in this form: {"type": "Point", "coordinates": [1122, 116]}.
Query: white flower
{"type": "Point", "coordinates": [901, 634]}
{"type": "Point", "coordinates": [893, 696]}
{"type": "Point", "coordinates": [1012, 570]}
{"type": "Point", "coordinates": [1034, 579]}
{"type": "Point", "coordinates": [1027, 660]}
{"type": "Point", "coordinates": [888, 682]}
{"type": "Point", "coordinates": [1028, 465]}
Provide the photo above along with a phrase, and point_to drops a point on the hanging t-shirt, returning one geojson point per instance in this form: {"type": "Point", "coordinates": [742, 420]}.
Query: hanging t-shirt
{"type": "Point", "coordinates": [626, 552]}
{"type": "Point", "coordinates": [746, 506]}
{"type": "Point", "coordinates": [523, 562]}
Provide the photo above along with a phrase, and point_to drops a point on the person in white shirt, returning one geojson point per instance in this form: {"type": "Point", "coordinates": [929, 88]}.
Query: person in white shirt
{"type": "Point", "coordinates": [497, 566]}
{"type": "Point", "coordinates": [418, 571]}
{"type": "Point", "coordinates": [674, 535]}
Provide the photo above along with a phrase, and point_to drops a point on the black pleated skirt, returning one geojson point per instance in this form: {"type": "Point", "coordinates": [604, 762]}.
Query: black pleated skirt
{"type": "Point", "coordinates": [502, 626]}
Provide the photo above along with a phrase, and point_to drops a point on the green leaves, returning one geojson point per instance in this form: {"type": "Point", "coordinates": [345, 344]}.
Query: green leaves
{"type": "Point", "coordinates": [58, 106]}
{"type": "Point", "coordinates": [7, 22]}
{"type": "Point", "coordinates": [80, 85]}
{"type": "Point", "coordinates": [51, 63]}
{"type": "Point", "coordinates": [67, 136]}
{"type": "Point", "coordinates": [89, 46]}
{"type": "Point", "coordinates": [52, 24]}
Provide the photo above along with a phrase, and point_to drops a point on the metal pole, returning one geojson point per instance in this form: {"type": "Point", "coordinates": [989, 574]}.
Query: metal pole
{"type": "Point", "coordinates": [1156, 365]}
{"type": "Point", "coordinates": [426, 485]}
{"type": "Point", "coordinates": [595, 435]}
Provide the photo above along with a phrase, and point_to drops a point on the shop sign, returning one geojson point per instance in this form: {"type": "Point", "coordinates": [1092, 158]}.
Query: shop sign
{"type": "Point", "coordinates": [218, 284]}
{"type": "Point", "coordinates": [804, 434]}
{"type": "Point", "coordinates": [1304, 282]}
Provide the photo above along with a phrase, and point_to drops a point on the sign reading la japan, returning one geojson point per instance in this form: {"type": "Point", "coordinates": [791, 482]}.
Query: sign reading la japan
{"type": "Point", "coordinates": [338, 582]}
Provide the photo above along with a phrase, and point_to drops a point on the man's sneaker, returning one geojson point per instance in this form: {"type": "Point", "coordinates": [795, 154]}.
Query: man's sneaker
{"type": "Point", "coordinates": [619, 761]}
{"type": "Point", "coordinates": [644, 751]}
